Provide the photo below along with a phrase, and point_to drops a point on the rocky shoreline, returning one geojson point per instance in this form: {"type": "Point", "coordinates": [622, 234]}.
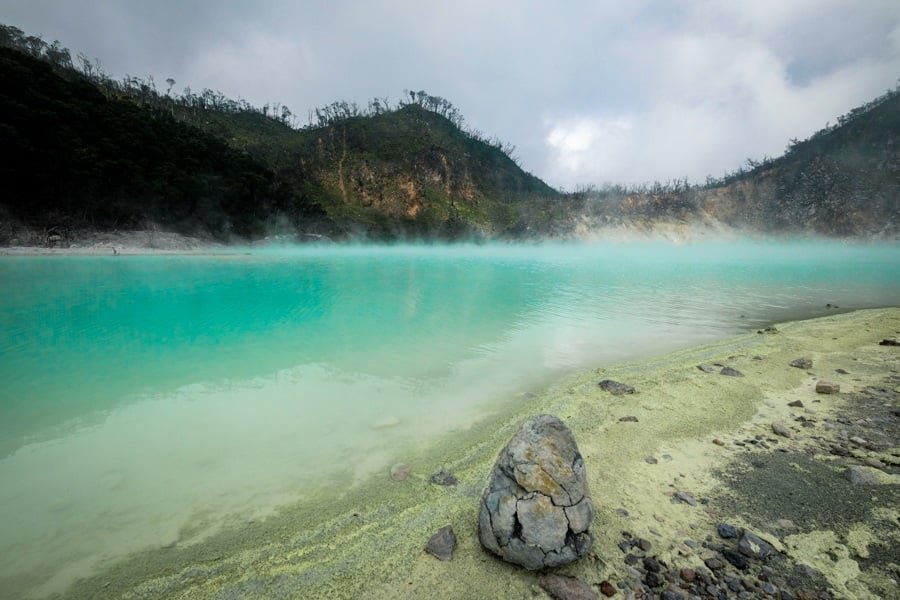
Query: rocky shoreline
{"type": "Point", "coordinates": [705, 485]}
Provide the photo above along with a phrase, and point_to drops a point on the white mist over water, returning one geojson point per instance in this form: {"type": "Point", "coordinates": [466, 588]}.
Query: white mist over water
{"type": "Point", "coordinates": [148, 400]}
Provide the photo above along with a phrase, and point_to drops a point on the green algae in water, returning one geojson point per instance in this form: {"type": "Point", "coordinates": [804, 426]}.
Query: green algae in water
{"type": "Point", "coordinates": [147, 396]}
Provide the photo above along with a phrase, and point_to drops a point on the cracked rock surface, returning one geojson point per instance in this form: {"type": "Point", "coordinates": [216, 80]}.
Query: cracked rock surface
{"type": "Point", "coordinates": [536, 510]}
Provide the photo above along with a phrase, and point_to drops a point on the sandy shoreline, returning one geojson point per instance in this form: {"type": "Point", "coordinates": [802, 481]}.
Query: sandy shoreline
{"type": "Point", "coordinates": [696, 433]}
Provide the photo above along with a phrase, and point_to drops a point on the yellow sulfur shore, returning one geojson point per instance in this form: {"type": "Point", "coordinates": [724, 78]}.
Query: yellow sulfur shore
{"type": "Point", "coordinates": [367, 540]}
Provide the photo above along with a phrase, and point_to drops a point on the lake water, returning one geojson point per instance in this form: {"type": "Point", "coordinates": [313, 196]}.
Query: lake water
{"type": "Point", "coordinates": [145, 399]}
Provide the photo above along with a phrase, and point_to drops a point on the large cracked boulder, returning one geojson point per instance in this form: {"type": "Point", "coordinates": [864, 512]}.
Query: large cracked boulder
{"type": "Point", "coordinates": [536, 511]}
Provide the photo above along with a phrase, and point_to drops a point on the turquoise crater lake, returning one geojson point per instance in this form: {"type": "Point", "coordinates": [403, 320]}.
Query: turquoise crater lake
{"type": "Point", "coordinates": [145, 397]}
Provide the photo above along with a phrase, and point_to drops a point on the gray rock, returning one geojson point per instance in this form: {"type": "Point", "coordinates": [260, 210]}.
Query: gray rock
{"type": "Point", "coordinates": [754, 546]}
{"type": "Point", "coordinates": [796, 404]}
{"type": "Point", "coordinates": [802, 363]}
{"type": "Point", "coordinates": [628, 419]}
{"type": "Point", "coordinates": [536, 510]}
{"type": "Point", "coordinates": [888, 342]}
{"type": "Point", "coordinates": [684, 497]}
{"type": "Point", "coordinates": [769, 330]}
{"type": "Point", "coordinates": [615, 388]}
{"type": "Point", "coordinates": [862, 475]}
{"type": "Point", "coordinates": [727, 531]}
{"type": "Point", "coordinates": [781, 429]}
{"type": "Point", "coordinates": [706, 368]}
{"type": "Point", "coordinates": [730, 372]}
{"type": "Point", "coordinates": [566, 588]}
{"type": "Point", "coordinates": [827, 387]}
{"type": "Point", "coordinates": [444, 477]}
{"type": "Point", "coordinates": [442, 544]}
{"type": "Point", "coordinates": [400, 471]}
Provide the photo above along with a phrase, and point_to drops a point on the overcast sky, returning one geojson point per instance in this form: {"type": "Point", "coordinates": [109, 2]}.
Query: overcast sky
{"type": "Point", "coordinates": [589, 92]}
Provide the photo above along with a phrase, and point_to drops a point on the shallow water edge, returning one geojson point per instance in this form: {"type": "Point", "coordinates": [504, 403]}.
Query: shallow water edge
{"type": "Point", "coordinates": [367, 539]}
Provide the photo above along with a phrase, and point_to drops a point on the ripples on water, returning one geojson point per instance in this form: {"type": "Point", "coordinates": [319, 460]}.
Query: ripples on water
{"type": "Point", "coordinates": [138, 392]}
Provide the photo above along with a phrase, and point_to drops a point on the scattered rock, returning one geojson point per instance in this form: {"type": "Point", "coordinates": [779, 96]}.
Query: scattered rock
{"type": "Point", "coordinates": [839, 450]}
{"type": "Point", "coordinates": [768, 330]}
{"type": "Point", "coordinates": [652, 565]}
{"type": "Point", "coordinates": [713, 563]}
{"type": "Point", "coordinates": [796, 404]}
{"type": "Point", "coordinates": [727, 531]}
{"type": "Point", "coordinates": [718, 442]}
{"type": "Point", "coordinates": [650, 460]}
{"type": "Point", "coordinates": [645, 545]}
{"type": "Point", "coordinates": [400, 471]}
{"type": "Point", "coordinates": [706, 368]}
{"type": "Point", "coordinates": [536, 510]}
{"type": "Point", "coordinates": [607, 589]}
{"type": "Point", "coordinates": [730, 372]}
{"type": "Point", "coordinates": [842, 371]}
{"type": "Point", "coordinates": [888, 342]}
{"type": "Point", "coordinates": [753, 546]}
{"type": "Point", "coordinates": [785, 524]}
{"type": "Point", "coordinates": [781, 429]}
{"type": "Point", "coordinates": [874, 463]}
{"type": "Point", "coordinates": [738, 560]}
{"type": "Point", "coordinates": [827, 387]}
{"type": "Point", "coordinates": [622, 512]}
{"type": "Point", "coordinates": [444, 477]}
{"type": "Point", "coordinates": [442, 544]}
{"type": "Point", "coordinates": [862, 475]}
{"type": "Point", "coordinates": [654, 580]}
{"type": "Point", "coordinates": [685, 497]}
{"type": "Point", "coordinates": [802, 363]}
{"type": "Point", "coordinates": [567, 588]}
{"type": "Point", "coordinates": [628, 419]}
{"type": "Point", "coordinates": [615, 388]}
{"type": "Point", "coordinates": [688, 575]}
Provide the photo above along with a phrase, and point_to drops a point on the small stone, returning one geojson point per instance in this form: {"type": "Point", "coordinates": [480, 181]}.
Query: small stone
{"type": "Point", "coordinates": [713, 563]}
{"type": "Point", "coordinates": [654, 580]}
{"type": "Point", "coordinates": [650, 460]}
{"type": "Point", "coordinates": [628, 419]}
{"type": "Point", "coordinates": [706, 368]}
{"type": "Point", "coordinates": [622, 512]}
{"type": "Point", "coordinates": [802, 363]}
{"type": "Point", "coordinates": [781, 429]}
{"type": "Point", "coordinates": [757, 357]}
{"type": "Point", "coordinates": [727, 531]}
{"type": "Point", "coordinates": [607, 589]}
{"type": "Point", "coordinates": [566, 588]}
{"type": "Point", "coordinates": [644, 545]}
{"type": "Point", "coordinates": [874, 463]}
{"type": "Point", "coordinates": [442, 544]}
{"type": "Point", "coordinates": [796, 404]}
{"type": "Point", "coordinates": [615, 388]}
{"type": "Point", "coordinates": [858, 440]}
{"type": "Point", "coordinates": [842, 371]}
{"type": "Point", "coordinates": [444, 477]}
{"type": "Point", "coordinates": [730, 372]}
{"type": "Point", "coordinates": [652, 565]}
{"type": "Point", "coordinates": [718, 442]}
{"type": "Point", "coordinates": [888, 342]}
{"type": "Point", "coordinates": [862, 475]}
{"type": "Point", "coordinates": [631, 559]}
{"type": "Point", "coordinates": [754, 546]}
{"type": "Point", "coordinates": [688, 575]}
{"type": "Point", "coordinates": [400, 471]}
{"type": "Point", "coordinates": [769, 589]}
{"type": "Point", "coordinates": [768, 330]}
{"type": "Point", "coordinates": [736, 558]}
{"type": "Point", "coordinates": [839, 450]}
{"type": "Point", "coordinates": [827, 387]}
{"type": "Point", "coordinates": [785, 524]}
{"type": "Point", "coordinates": [685, 497]}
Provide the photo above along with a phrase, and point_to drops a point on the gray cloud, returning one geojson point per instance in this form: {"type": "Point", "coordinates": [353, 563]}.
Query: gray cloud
{"type": "Point", "coordinates": [600, 91]}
